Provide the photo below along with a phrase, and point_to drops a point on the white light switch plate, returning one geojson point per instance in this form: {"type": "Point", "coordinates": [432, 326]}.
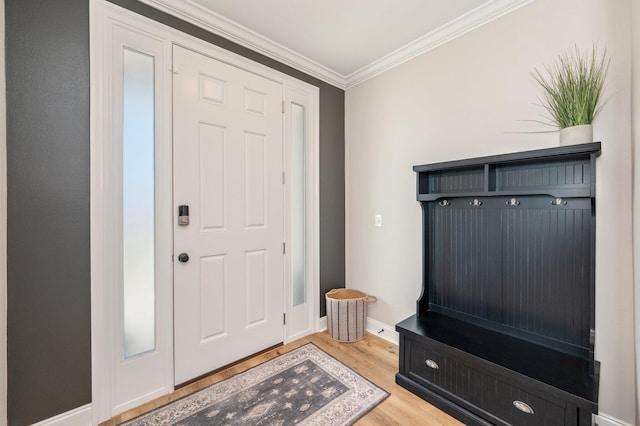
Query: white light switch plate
{"type": "Point", "coordinates": [378, 220]}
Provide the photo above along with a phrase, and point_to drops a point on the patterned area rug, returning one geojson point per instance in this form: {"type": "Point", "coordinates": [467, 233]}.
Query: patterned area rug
{"type": "Point", "coordinates": [303, 387]}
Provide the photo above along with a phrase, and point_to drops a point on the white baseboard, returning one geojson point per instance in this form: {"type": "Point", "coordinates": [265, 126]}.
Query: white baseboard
{"type": "Point", "coordinates": [383, 330]}
{"type": "Point", "coordinates": [605, 420]}
{"type": "Point", "coordinates": [80, 416]}
{"type": "Point", "coordinates": [322, 324]}
{"type": "Point", "coordinates": [374, 327]}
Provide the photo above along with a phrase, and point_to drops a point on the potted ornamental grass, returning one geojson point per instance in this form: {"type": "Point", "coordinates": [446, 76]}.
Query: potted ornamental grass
{"type": "Point", "coordinates": [572, 92]}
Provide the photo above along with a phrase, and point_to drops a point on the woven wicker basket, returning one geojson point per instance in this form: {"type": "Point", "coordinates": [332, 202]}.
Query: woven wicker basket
{"type": "Point", "coordinates": [347, 313]}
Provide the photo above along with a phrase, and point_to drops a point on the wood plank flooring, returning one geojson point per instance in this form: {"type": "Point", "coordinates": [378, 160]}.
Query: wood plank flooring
{"type": "Point", "coordinates": [373, 357]}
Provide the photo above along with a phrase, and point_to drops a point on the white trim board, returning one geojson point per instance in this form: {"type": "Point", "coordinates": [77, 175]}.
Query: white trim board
{"type": "Point", "coordinates": [322, 324]}
{"type": "Point", "coordinates": [383, 331]}
{"type": "Point", "coordinates": [605, 420]}
{"type": "Point", "coordinates": [80, 416]}
{"type": "Point", "coordinates": [197, 15]}
{"type": "Point", "coordinates": [374, 327]}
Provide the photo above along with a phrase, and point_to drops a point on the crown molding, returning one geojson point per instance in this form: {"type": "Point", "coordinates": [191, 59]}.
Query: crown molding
{"type": "Point", "coordinates": [204, 18]}
{"type": "Point", "coordinates": [471, 20]}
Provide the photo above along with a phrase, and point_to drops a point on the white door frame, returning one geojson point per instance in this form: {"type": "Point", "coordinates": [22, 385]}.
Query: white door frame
{"type": "Point", "coordinates": [300, 320]}
{"type": "Point", "coordinates": [104, 18]}
{"type": "Point", "coordinates": [108, 37]}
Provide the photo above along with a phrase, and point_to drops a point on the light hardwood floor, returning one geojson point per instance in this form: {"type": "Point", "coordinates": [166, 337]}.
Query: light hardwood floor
{"type": "Point", "coordinates": [373, 357]}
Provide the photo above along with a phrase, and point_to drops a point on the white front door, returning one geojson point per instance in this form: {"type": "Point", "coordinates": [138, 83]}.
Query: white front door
{"type": "Point", "coordinates": [228, 170]}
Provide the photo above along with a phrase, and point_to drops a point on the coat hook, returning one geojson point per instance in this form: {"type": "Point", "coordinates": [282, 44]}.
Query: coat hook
{"type": "Point", "coordinates": [558, 202]}
{"type": "Point", "coordinates": [444, 203]}
{"type": "Point", "coordinates": [512, 202]}
{"type": "Point", "coordinates": [475, 202]}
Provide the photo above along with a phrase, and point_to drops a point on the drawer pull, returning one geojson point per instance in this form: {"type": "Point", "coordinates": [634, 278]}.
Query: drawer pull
{"type": "Point", "coordinates": [523, 406]}
{"type": "Point", "coordinates": [432, 364]}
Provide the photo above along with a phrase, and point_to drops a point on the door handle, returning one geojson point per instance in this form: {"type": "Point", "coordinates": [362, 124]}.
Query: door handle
{"type": "Point", "coordinates": [432, 364]}
{"type": "Point", "coordinates": [523, 406]}
{"type": "Point", "coordinates": [183, 257]}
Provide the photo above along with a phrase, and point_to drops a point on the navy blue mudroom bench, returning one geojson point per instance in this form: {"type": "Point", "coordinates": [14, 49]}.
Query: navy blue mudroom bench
{"type": "Point", "coordinates": [504, 329]}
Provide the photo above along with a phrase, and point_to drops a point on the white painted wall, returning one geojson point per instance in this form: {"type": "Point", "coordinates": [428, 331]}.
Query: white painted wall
{"type": "Point", "coordinates": [469, 98]}
{"type": "Point", "coordinates": [635, 135]}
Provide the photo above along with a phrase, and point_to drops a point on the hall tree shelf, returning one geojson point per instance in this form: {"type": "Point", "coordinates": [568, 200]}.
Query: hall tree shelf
{"type": "Point", "coordinates": [504, 328]}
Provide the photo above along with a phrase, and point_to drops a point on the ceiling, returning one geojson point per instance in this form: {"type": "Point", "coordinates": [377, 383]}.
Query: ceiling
{"type": "Point", "coordinates": [344, 36]}
{"type": "Point", "coordinates": [342, 42]}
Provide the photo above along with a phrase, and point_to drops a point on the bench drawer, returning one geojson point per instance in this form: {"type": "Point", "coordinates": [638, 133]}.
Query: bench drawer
{"type": "Point", "coordinates": [439, 369]}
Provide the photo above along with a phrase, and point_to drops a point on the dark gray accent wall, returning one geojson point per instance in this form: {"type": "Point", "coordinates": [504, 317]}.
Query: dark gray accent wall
{"type": "Point", "coordinates": [332, 249]}
{"type": "Point", "coordinates": [332, 217]}
{"type": "Point", "coordinates": [48, 263]}
{"type": "Point", "coordinates": [48, 239]}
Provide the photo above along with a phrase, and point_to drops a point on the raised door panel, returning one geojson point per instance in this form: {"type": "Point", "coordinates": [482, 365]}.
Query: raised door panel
{"type": "Point", "coordinates": [255, 287]}
{"type": "Point", "coordinates": [213, 290]}
{"type": "Point", "coordinates": [255, 180]}
{"type": "Point", "coordinates": [213, 175]}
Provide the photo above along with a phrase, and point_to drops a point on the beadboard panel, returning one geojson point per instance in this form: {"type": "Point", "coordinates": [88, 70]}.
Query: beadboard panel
{"type": "Point", "coordinates": [546, 264]}
{"type": "Point", "coordinates": [522, 267]}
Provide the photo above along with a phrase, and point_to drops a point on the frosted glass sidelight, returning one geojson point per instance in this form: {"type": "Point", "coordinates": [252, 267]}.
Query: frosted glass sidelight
{"type": "Point", "coordinates": [298, 210]}
{"type": "Point", "coordinates": [138, 203]}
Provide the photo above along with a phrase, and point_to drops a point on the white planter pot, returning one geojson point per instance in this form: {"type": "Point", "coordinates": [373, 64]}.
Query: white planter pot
{"type": "Point", "coordinates": [576, 134]}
